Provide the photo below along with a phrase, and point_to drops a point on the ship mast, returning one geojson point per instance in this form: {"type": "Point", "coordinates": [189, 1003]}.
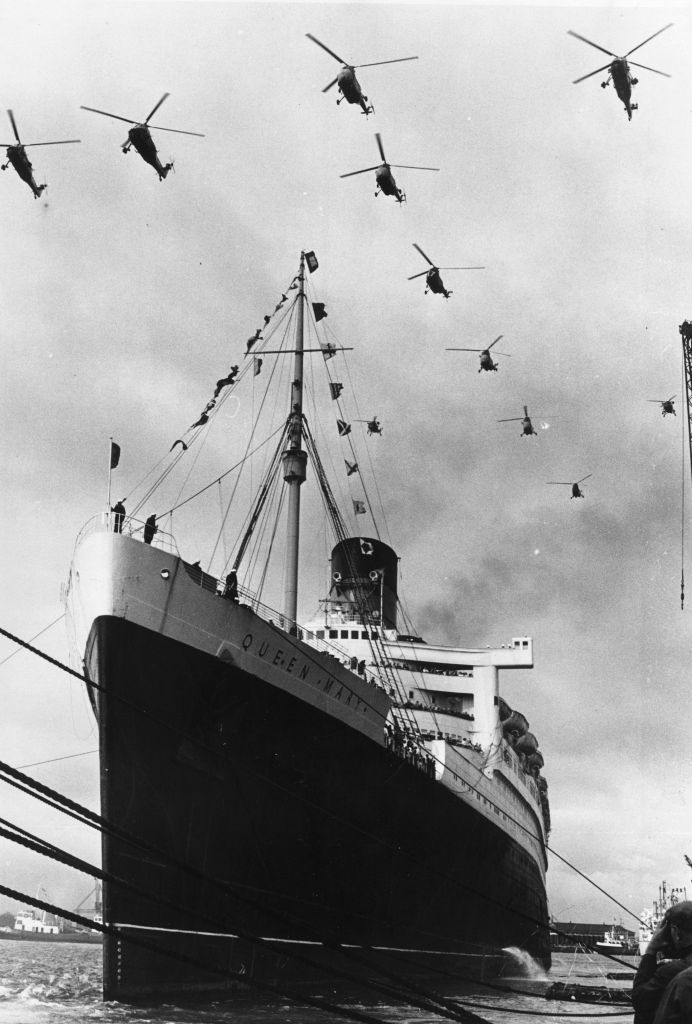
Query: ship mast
{"type": "Point", "coordinates": [295, 459]}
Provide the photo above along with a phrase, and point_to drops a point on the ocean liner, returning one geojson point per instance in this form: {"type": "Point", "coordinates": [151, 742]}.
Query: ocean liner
{"type": "Point", "coordinates": [289, 803]}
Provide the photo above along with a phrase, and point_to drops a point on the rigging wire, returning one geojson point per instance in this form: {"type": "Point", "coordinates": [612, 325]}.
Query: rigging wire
{"type": "Point", "coordinates": [255, 424]}
{"type": "Point", "coordinates": [35, 637]}
{"type": "Point", "coordinates": [53, 760]}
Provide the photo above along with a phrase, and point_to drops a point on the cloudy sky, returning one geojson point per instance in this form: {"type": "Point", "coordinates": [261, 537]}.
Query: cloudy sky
{"type": "Point", "coordinates": [124, 299]}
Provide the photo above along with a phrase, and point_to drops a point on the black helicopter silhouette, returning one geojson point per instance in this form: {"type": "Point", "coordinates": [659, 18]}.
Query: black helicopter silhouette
{"type": "Point", "coordinates": [433, 281]}
{"type": "Point", "coordinates": [666, 404]}
{"type": "Point", "coordinates": [346, 79]}
{"type": "Point", "coordinates": [16, 156]}
{"type": "Point", "coordinates": [140, 137]}
{"type": "Point", "coordinates": [384, 177]}
{"type": "Point", "coordinates": [526, 424]}
{"type": "Point", "coordinates": [374, 426]}
{"type": "Point", "coordinates": [576, 492]}
{"type": "Point", "coordinates": [486, 359]}
{"type": "Point", "coordinates": [618, 70]}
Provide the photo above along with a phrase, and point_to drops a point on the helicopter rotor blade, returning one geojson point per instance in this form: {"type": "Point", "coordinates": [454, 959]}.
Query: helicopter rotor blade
{"type": "Point", "coordinates": [410, 167]}
{"type": "Point", "coordinates": [105, 113]}
{"type": "Point", "coordinates": [664, 73]}
{"type": "Point", "coordinates": [397, 60]}
{"type": "Point", "coordinates": [411, 278]}
{"type": "Point", "coordinates": [584, 478]}
{"type": "Point", "coordinates": [456, 268]}
{"type": "Point", "coordinates": [595, 45]}
{"type": "Point", "coordinates": [590, 74]}
{"type": "Point", "coordinates": [561, 483]}
{"type": "Point", "coordinates": [351, 173]}
{"type": "Point", "coordinates": [14, 126]}
{"type": "Point", "coordinates": [178, 131]}
{"type": "Point", "coordinates": [164, 97]}
{"type": "Point", "coordinates": [464, 350]}
{"type": "Point", "coordinates": [416, 246]}
{"type": "Point", "coordinates": [512, 419]}
{"type": "Point", "coordinates": [649, 40]}
{"type": "Point", "coordinates": [328, 87]}
{"type": "Point", "coordinates": [60, 142]}
{"type": "Point", "coordinates": [380, 147]}
{"type": "Point", "coordinates": [330, 52]}
{"type": "Point", "coordinates": [495, 342]}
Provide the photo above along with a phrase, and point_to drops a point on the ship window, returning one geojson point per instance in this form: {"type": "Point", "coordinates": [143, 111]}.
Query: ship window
{"type": "Point", "coordinates": [363, 635]}
{"type": "Point", "coordinates": [410, 694]}
{"type": "Point", "coordinates": [333, 634]}
{"type": "Point", "coordinates": [354, 634]}
{"type": "Point", "coordinates": [320, 634]}
{"type": "Point", "coordinates": [344, 634]}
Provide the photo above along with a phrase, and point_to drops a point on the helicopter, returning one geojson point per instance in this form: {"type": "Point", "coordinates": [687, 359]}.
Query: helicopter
{"type": "Point", "coordinates": [16, 156]}
{"type": "Point", "coordinates": [433, 281]}
{"type": "Point", "coordinates": [576, 492]}
{"type": "Point", "coordinates": [384, 177]}
{"type": "Point", "coordinates": [346, 79]}
{"type": "Point", "coordinates": [526, 424]}
{"type": "Point", "coordinates": [140, 137]}
{"type": "Point", "coordinates": [619, 72]}
{"type": "Point", "coordinates": [486, 359]}
{"type": "Point", "coordinates": [374, 426]}
{"type": "Point", "coordinates": [666, 404]}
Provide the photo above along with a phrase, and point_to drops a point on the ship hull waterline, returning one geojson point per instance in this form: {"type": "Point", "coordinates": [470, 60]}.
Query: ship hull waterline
{"type": "Point", "coordinates": [318, 832]}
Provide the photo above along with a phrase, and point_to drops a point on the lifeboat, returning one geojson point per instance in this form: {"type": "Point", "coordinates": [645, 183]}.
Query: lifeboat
{"type": "Point", "coordinates": [527, 744]}
{"type": "Point", "coordinates": [516, 723]}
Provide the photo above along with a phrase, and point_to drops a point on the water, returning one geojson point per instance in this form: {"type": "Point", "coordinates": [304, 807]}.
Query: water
{"type": "Point", "coordinates": [61, 984]}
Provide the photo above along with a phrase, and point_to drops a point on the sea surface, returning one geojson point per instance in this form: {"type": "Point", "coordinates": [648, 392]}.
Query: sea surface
{"type": "Point", "coordinates": [61, 984]}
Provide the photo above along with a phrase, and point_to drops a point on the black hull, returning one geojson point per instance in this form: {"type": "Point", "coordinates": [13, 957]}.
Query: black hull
{"type": "Point", "coordinates": [318, 833]}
